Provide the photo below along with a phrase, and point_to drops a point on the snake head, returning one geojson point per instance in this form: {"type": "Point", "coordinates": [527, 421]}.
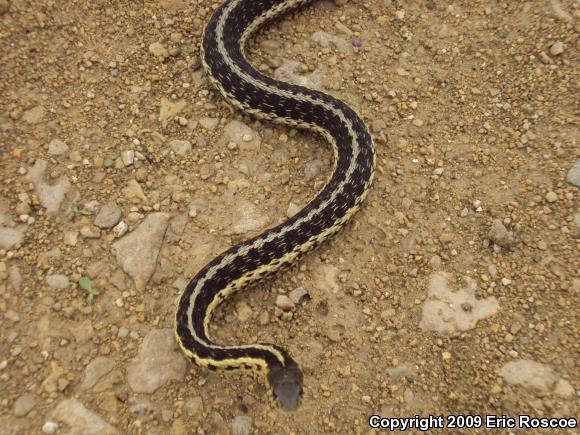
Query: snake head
{"type": "Point", "coordinates": [286, 382]}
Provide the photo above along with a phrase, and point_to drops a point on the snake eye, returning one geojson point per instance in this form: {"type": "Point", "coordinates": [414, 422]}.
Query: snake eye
{"type": "Point", "coordinates": [286, 385]}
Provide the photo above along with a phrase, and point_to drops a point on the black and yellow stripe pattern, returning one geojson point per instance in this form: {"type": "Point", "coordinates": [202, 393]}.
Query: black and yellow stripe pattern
{"type": "Point", "coordinates": [225, 62]}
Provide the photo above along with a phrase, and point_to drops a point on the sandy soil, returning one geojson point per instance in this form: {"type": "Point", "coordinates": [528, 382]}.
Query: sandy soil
{"type": "Point", "coordinates": [122, 172]}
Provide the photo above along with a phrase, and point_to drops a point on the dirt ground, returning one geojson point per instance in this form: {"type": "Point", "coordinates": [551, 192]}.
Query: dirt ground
{"type": "Point", "coordinates": [122, 172]}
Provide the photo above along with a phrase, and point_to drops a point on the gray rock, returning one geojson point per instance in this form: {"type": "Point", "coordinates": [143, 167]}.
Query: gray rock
{"type": "Point", "coordinates": [297, 294]}
{"type": "Point", "coordinates": [238, 132]}
{"type": "Point", "coordinates": [573, 176]}
{"type": "Point", "coordinates": [51, 196]}
{"type": "Point", "coordinates": [557, 48]}
{"type": "Point", "coordinates": [241, 425]}
{"type": "Point", "coordinates": [564, 389]}
{"type": "Point", "coordinates": [448, 310]}
{"type": "Point", "coordinates": [529, 374]}
{"type": "Point", "coordinates": [137, 252]}
{"type": "Point", "coordinates": [49, 427]}
{"type": "Point", "coordinates": [158, 362]}
{"type": "Point", "coordinates": [95, 370]}
{"type": "Point", "coordinates": [57, 281]}
{"type": "Point", "coordinates": [499, 235]}
{"type": "Point", "coordinates": [312, 169]}
{"type": "Point", "coordinates": [284, 302]}
{"type": "Point", "coordinates": [57, 147]}
{"type": "Point", "coordinates": [80, 420]}
{"type": "Point", "coordinates": [328, 40]}
{"type": "Point", "coordinates": [109, 215]}
{"type": "Point", "coordinates": [180, 147]}
{"type": "Point", "coordinates": [246, 217]}
{"type": "Point", "coordinates": [287, 72]}
{"type": "Point", "coordinates": [24, 404]}
{"type": "Point", "coordinates": [209, 123]}
{"type": "Point", "coordinates": [10, 237]}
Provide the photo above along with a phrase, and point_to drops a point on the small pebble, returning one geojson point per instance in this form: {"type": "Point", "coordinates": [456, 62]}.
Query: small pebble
{"type": "Point", "coordinates": [284, 302]}
{"type": "Point", "coordinates": [557, 48]}
{"type": "Point", "coordinates": [50, 427]}
{"type": "Point", "coordinates": [551, 196]}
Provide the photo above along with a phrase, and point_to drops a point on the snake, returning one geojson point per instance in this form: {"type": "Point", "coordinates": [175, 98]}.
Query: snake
{"type": "Point", "coordinates": [225, 61]}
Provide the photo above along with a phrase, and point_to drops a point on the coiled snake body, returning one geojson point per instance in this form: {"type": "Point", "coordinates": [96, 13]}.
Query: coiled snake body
{"type": "Point", "coordinates": [224, 60]}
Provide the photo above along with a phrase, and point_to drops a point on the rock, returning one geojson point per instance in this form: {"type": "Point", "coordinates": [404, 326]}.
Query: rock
{"type": "Point", "coordinates": [109, 215]}
{"type": "Point", "coordinates": [564, 389]}
{"type": "Point", "coordinates": [141, 407]}
{"type": "Point", "coordinates": [329, 40]}
{"type": "Point", "coordinates": [51, 196]}
{"type": "Point", "coordinates": [287, 73]}
{"type": "Point", "coordinates": [95, 370]}
{"type": "Point", "coordinates": [446, 310]}
{"type": "Point", "coordinates": [134, 192]}
{"type": "Point", "coordinates": [243, 311]}
{"type": "Point", "coordinates": [529, 374]}
{"type": "Point", "coordinates": [284, 302]}
{"type": "Point", "coordinates": [557, 48]}
{"type": "Point", "coordinates": [137, 252]}
{"type": "Point", "coordinates": [128, 157]}
{"type": "Point", "coordinates": [169, 110]}
{"type": "Point", "coordinates": [34, 115]}
{"type": "Point", "coordinates": [297, 294]}
{"type": "Point", "coordinates": [551, 196]}
{"type": "Point", "coordinates": [158, 50]}
{"type": "Point", "coordinates": [241, 425]}
{"type": "Point", "coordinates": [292, 209]}
{"type": "Point", "coordinates": [312, 169]}
{"type": "Point", "coordinates": [180, 147]}
{"type": "Point", "coordinates": [499, 235]}
{"type": "Point", "coordinates": [57, 147]}
{"type": "Point", "coordinates": [120, 229]}
{"type": "Point", "coordinates": [24, 404]}
{"type": "Point", "coordinates": [246, 217]}
{"type": "Point", "coordinates": [80, 420]}
{"type": "Point", "coordinates": [49, 427]}
{"type": "Point", "coordinates": [209, 123]}
{"type": "Point", "coordinates": [71, 237]}
{"type": "Point", "coordinates": [573, 176]}
{"type": "Point", "coordinates": [158, 362]}
{"type": "Point", "coordinates": [57, 281]}
{"type": "Point", "coordinates": [238, 132]}
{"type": "Point", "coordinates": [194, 406]}
{"type": "Point", "coordinates": [10, 238]}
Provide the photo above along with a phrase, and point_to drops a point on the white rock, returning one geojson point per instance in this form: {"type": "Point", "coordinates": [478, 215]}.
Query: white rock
{"type": "Point", "coordinates": [284, 302]}
{"type": "Point", "coordinates": [10, 237]}
{"type": "Point", "coordinates": [564, 389]}
{"type": "Point", "coordinates": [51, 196]}
{"type": "Point", "coordinates": [446, 310]}
{"type": "Point", "coordinates": [159, 361]}
{"type": "Point", "coordinates": [137, 252]}
{"type": "Point", "coordinates": [50, 427]}
{"type": "Point", "coordinates": [109, 215]}
{"type": "Point", "coordinates": [95, 370]}
{"type": "Point", "coordinates": [180, 147]}
{"type": "Point", "coordinates": [128, 157]}
{"type": "Point", "coordinates": [529, 374]}
{"type": "Point", "coordinates": [57, 281]}
{"type": "Point", "coordinates": [57, 147]}
{"type": "Point", "coordinates": [81, 420]}
{"type": "Point", "coordinates": [241, 425]}
{"type": "Point", "coordinates": [557, 48]}
{"type": "Point", "coordinates": [573, 176]}
{"type": "Point", "coordinates": [551, 196]}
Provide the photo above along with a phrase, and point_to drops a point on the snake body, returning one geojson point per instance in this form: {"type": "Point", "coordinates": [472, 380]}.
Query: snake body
{"type": "Point", "coordinates": [223, 57]}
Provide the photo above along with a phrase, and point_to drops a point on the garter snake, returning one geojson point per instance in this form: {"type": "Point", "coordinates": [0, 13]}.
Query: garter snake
{"type": "Point", "coordinates": [224, 59]}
